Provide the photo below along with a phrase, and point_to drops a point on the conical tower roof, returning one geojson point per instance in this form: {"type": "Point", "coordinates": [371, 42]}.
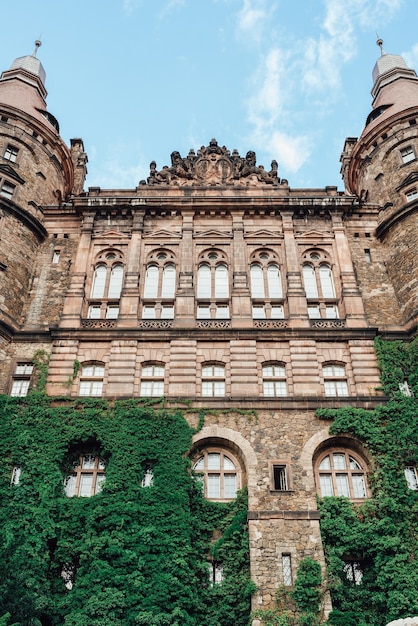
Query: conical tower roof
{"type": "Point", "coordinates": [23, 87]}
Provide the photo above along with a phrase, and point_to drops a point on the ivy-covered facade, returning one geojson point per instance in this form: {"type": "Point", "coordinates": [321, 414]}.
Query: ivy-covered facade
{"type": "Point", "coordinates": [208, 382]}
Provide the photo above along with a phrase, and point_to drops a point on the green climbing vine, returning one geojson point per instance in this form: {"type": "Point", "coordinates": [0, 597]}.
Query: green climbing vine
{"type": "Point", "coordinates": [131, 554]}
{"type": "Point", "coordinates": [381, 534]}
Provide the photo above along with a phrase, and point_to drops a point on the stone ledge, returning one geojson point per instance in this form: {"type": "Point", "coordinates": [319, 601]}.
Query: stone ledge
{"type": "Point", "coordinates": [285, 514]}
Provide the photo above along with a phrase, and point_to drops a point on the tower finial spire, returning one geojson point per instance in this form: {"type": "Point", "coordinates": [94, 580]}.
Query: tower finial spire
{"type": "Point", "coordinates": [38, 43]}
{"type": "Point", "coordinates": [380, 44]}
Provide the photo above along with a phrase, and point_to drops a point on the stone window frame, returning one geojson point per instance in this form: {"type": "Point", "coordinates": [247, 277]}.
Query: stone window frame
{"type": "Point", "coordinates": [213, 297]}
{"type": "Point", "coordinates": [287, 569]}
{"type": "Point", "coordinates": [152, 379]}
{"type": "Point", "coordinates": [104, 303]}
{"type": "Point", "coordinates": [411, 194]}
{"type": "Point", "coordinates": [157, 303]}
{"type": "Point", "coordinates": [266, 305]}
{"type": "Point", "coordinates": [204, 450]}
{"type": "Point", "coordinates": [321, 291]}
{"type": "Point", "coordinates": [22, 378]}
{"type": "Point", "coordinates": [338, 447]}
{"type": "Point", "coordinates": [279, 468]}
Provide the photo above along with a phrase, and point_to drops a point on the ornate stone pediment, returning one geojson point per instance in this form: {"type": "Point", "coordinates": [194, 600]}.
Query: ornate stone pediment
{"type": "Point", "coordinates": [212, 166]}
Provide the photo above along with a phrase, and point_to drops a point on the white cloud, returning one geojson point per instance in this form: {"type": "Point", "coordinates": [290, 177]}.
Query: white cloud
{"type": "Point", "coordinates": [267, 101]}
{"type": "Point", "coordinates": [411, 57]}
{"type": "Point", "coordinates": [291, 151]}
{"type": "Point", "coordinates": [252, 19]}
{"type": "Point", "coordinates": [129, 6]}
{"type": "Point", "coordinates": [111, 172]}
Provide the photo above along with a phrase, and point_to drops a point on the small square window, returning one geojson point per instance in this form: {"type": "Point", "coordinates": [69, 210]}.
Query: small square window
{"type": "Point", "coordinates": [112, 312]}
{"type": "Point", "coordinates": [148, 313]}
{"type": "Point", "coordinates": [313, 312]}
{"type": "Point", "coordinates": [11, 153]}
{"type": "Point", "coordinates": [412, 195]}
{"type": "Point", "coordinates": [94, 312]}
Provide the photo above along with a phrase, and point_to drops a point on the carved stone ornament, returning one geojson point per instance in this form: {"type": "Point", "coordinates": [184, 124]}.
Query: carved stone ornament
{"type": "Point", "coordinates": [213, 165]}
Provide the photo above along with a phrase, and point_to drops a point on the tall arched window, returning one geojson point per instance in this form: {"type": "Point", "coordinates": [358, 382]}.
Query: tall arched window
{"type": "Point", "coordinates": [319, 286]}
{"type": "Point", "coordinates": [266, 286]}
{"type": "Point", "coordinates": [106, 287]}
{"type": "Point", "coordinates": [340, 472]}
{"type": "Point", "coordinates": [220, 473]}
{"type": "Point", "coordinates": [160, 286]}
{"type": "Point", "coordinates": [213, 286]}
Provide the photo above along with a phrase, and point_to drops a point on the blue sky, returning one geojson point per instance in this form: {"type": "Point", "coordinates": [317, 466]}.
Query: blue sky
{"type": "Point", "coordinates": [137, 79]}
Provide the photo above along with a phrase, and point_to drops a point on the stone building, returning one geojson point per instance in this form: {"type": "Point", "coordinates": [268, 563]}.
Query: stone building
{"type": "Point", "coordinates": [217, 283]}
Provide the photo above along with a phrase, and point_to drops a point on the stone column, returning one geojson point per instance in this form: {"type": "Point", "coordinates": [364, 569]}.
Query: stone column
{"type": "Point", "coordinates": [130, 294]}
{"type": "Point", "coordinates": [185, 296]}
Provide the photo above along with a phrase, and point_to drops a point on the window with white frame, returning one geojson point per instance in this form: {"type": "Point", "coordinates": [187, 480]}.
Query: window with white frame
{"type": "Point", "coordinates": [335, 380]}
{"type": "Point", "coordinates": [319, 286]}
{"type": "Point", "coordinates": [411, 195]}
{"type": "Point", "coordinates": [219, 472]}
{"type": "Point", "coordinates": [21, 379]}
{"type": "Point", "coordinates": [159, 286]}
{"type": "Point", "coordinates": [274, 380]}
{"type": "Point", "coordinates": [213, 286]}
{"type": "Point", "coordinates": [407, 154]}
{"type": "Point", "coordinates": [216, 572]}
{"type": "Point", "coordinates": [87, 476]}
{"type": "Point", "coordinates": [279, 476]}
{"type": "Point", "coordinates": [213, 380]}
{"type": "Point", "coordinates": [91, 379]}
{"type": "Point", "coordinates": [411, 475]}
{"type": "Point", "coordinates": [266, 286]}
{"type": "Point", "coordinates": [10, 153]}
{"type": "Point", "coordinates": [106, 286]}
{"type": "Point", "coordinates": [7, 189]}
{"type": "Point", "coordinates": [341, 473]}
{"type": "Point", "coordinates": [152, 380]}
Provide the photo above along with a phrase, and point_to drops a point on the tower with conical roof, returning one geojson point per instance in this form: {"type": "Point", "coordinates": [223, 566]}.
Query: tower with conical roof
{"type": "Point", "coordinates": [381, 167]}
{"type": "Point", "coordinates": [36, 170]}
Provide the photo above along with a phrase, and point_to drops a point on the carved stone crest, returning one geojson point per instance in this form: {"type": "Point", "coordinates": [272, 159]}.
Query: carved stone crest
{"type": "Point", "coordinates": [214, 165]}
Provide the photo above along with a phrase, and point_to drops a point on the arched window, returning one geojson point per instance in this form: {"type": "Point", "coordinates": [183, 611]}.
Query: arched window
{"type": "Point", "coordinates": [160, 286]}
{"type": "Point", "coordinates": [266, 286]}
{"type": "Point", "coordinates": [91, 379]}
{"type": "Point", "coordinates": [220, 474]}
{"type": "Point", "coordinates": [340, 472]}
{"type": "Point", "coordinates": [152, 380]}
{"type": "Point", "coordinates": [274, 380]}
{"type": "Point", "coordinates": [335, 380]}
{"type": "Point", "coordinates": [106, 287]}
{"type": "Point", "coordinates": [319, 285]}
{"type": "Point", "coordinates": [87, 477]}
{"type": "Point", "coordinates": [213, 380]}
{"type": "Point", "coordinates": [213, 286]}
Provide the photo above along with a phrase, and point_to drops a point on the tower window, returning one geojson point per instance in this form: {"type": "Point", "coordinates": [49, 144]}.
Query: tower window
{"type": "Point", "coordinates": [407, 154]}
{"type": "Point", "coordinates": [7, 189]}
{"type": "Point", "coordinates": [11, 153]}
{"type": "Point", "coordinates": [411, 195]}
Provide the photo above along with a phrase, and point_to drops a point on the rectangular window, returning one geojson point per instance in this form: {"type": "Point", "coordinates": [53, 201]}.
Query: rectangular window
{"type": "Point", "coordinates": [331, 312]}
{"type": "Point", "coordinates": [412, 195]}
{"type": "Point", "coordinates": [405, 389]}
{"type": "Point", "coordinates": [407, 154]}
{"type": "Point", "coordinates": [222, 312]}
{"type": "Point", "coordinates": [7, 189]}
{"type": "Point", "coordinates": [148, 312]}
{"type": "Point", "coordinates": [112, 312]}
{"type": "Point", "coordinates": [56, 256]}
{"type": "Point", "coordinates": [313, 312]}
{"type": "Point", "coordinates": [259, 312]}
{"type": "Point", "coordinates": [11, 153]}
{"type": "Point", "coordinates": [94, 312]}
{"type": "Point", "coordinates": [411, 476]}
{"type": "Point", "coordinates": [203, 312]}
{"type": "Point", "coordinates": [21, 379]}
{"type": "Point", "coordinates": [280, 477]}
{"type": "Point", "coordinates": [287, 570]}
{"type": "Point", "coordinates": [167, 312]}
{"type": "Point", "coordinates": [277, 312]}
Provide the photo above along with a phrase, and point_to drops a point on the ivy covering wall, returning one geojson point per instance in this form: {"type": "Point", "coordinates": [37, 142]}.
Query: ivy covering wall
{"type": "Point", "coordinates": [140, 554]}
{"type": "Point", "coordinates": [382, 533]}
